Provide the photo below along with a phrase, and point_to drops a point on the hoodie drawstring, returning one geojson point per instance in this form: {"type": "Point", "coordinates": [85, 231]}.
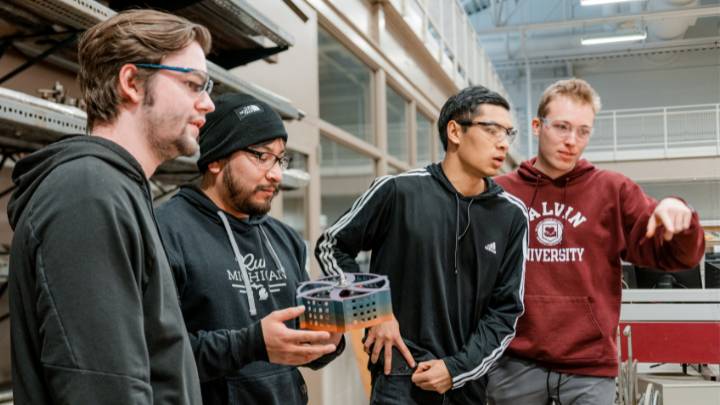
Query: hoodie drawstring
{"type": "Point", "coordinates": [238, 257]}
{"type": "Point", "coordinates": [535, 191]}
{"type": "Point", "coordinates": [468, 220]}
{"type": "Point", "coordinates": [459, 235]}
{"type": "Point", "coordinates": [564, 195]}
{"type": "Point", "coordinates": [274, 255]}
{"type": "Point", "coordinates": [556, 399]}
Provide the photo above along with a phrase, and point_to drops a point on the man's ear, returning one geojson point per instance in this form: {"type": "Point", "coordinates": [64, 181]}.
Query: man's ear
{"type": "Point", "coordinates": [454, 132]}
{"type": "Point", "coordinates": [215, 167]}
{"type": "Point", "coordinates": [536, 124]}
{"type": "Point", "coordinates": [131, 89]}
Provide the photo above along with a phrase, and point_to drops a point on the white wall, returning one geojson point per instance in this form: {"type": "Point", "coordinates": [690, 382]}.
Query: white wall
{"type": "Point", "coordinates": [655, 80]}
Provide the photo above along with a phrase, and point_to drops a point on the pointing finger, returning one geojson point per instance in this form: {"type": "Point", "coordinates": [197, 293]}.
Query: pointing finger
{"type": "Point", "coordinates": [651, 226]}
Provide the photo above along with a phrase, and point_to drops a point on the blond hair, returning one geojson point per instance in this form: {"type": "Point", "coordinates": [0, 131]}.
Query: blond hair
{"type": "Point", "coordinates": [577, 89]}
{"type": "Point", "coordinates": [132, 36]}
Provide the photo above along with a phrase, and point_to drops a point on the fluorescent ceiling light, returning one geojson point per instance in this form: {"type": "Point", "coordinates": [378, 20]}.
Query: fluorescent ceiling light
{"type": "Point", "coordinates": [599, 2]}
{"type": "Point", "coordinates": [613, 38]}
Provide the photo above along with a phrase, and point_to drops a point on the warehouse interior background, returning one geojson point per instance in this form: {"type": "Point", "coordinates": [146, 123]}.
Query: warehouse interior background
{"type": "Point", "coordinates": [360, 84]}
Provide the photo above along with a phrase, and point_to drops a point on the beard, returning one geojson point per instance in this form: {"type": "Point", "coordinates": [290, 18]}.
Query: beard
{"type": "Point", "coordinates": [241, 198]}
{"type": "Point", "coordinates": [166, 139]}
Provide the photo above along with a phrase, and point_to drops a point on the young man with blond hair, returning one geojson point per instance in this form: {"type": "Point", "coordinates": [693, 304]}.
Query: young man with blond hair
{"type": "Point", "coordinates": [583, 222]}
{"type": "Point", "coordinates": [95, 316]}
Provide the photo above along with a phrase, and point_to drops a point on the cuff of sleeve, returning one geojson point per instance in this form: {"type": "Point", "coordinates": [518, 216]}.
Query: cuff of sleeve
{"type": "Point", "coordinates": [249, 344]}
{"type": "Point", "coordinates": [340, 346]}
{"type": "Point", "coordinates": [453, 368]}
{"type": "Point", "coordinates": [258, 342]}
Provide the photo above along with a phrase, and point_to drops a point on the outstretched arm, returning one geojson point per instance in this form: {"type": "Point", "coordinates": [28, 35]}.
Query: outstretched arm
{"type": "Point", "coordinates": [665, 235]}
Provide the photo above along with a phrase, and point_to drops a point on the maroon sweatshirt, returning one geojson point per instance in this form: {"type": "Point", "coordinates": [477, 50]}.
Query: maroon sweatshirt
{"type": "Point", "coordinates": [581, 225]}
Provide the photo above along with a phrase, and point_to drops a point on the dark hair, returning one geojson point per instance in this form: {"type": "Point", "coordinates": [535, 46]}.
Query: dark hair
{"type": "Point", "coordinates": [465, 104]}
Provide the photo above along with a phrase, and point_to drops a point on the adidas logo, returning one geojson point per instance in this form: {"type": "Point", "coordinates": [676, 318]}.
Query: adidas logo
{"type": "Point", "coordinates": [490, 247]}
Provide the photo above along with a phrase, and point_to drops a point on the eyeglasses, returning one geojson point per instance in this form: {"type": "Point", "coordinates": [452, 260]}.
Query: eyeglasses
{"type": "Point", "coordinates": [498, 132]}
{"type": "Point", "coordinates": [202, 82]}
{"type": "Point", "coordinates": [266, 160]}
{"type": "Point", "coordinates": [564, 129]}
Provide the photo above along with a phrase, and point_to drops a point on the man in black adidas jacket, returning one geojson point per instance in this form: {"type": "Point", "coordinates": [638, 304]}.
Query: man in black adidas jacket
{"type": "Point", "coordinates": [452, 243]}
{"type": "Point", "coordinates": [234, 265]}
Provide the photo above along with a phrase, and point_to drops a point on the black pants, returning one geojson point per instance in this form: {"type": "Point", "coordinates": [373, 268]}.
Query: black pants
{"type": "Point", "coordinates": [398, 389]}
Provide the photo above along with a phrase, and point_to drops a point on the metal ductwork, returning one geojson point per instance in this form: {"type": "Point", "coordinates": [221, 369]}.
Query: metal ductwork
{"type": "Point", "coordinates": [673, 28]}
{"type": "Point", "coordinates": [475, 6]}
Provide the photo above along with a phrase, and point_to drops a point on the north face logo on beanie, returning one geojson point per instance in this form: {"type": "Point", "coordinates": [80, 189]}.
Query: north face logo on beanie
{"type": "Point", "coordinates": [239, 121]}
{"type": "Point", "coordinates": [247, 110]}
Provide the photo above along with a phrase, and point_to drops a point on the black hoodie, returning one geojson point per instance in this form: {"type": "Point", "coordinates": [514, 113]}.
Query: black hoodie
{"type": "Point", "coordinates": [455, 264]}
{"type": "Point", "coordinates": [222, 318]}
{"type": "Point", "coordinates": [95, 317]}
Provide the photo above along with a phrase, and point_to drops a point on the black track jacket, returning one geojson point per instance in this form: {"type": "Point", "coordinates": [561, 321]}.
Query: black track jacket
{"type": "Point", "coordinates": [455, 263]}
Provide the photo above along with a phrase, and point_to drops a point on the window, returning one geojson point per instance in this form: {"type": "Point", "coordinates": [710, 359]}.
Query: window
{"type": "Point", "coordinates": [294, 202]}
{"type": "Point", "coordinates": [344, 175]}
{"type": "Point", "coordinates": [425, 134]}
{"type": "Point", "coordinates": [397, 131]}
{"type": "Point", "coordinates": [345, 88]}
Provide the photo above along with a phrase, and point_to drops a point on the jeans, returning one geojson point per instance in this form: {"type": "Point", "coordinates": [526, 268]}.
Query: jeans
{"type": "Point", "coordinates": [398, 389]}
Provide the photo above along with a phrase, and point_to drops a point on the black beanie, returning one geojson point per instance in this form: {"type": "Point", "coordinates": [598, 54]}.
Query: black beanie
{"type": "Point", "coordinates": [239, 121]}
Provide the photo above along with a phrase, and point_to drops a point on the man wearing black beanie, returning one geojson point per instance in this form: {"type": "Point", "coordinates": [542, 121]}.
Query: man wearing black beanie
{"type": "Point", "coordinates": [236, 267]}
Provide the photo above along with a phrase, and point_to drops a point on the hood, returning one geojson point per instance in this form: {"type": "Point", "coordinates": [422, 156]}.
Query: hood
{"type": "Point", "coordinates": [529, 173]}
{"type": "Point", "coordinates": [30, 171]}
{"type": "Point", "coordinates": [207, 207]}
{"type": "Point", "coordinates": [491, 188]}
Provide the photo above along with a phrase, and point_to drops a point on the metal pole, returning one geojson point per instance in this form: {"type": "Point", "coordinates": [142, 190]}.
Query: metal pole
{"type": "Point", "coordinates": [614, 116]}
{"type": "Point", "coordinates": [528, 99]}
{"type": "Point", "coordinates": [38, 58]}
{"type": "Point", "coordinates": [665, 131]}
{"type": "Point", "coordinates": [717, 126]}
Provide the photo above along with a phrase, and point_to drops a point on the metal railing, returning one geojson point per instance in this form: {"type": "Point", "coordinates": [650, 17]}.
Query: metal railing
{"type": "Point", "coordinates": [656, 133]}
{"type": "Point", "coordinates": [445, 29]}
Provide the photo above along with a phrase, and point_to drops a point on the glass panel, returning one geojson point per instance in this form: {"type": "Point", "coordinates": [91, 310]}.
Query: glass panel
{"type": "Point", "coordinates": [397, 125]}
{"type": "Point", "coordinates": [345, 88]}
{"type": "Point", "coordinates": [295, 201]}
{"type": "Point", "coordinates": [345, 174]}
{"type": "Point", "coordinates": [414, 17]}
{"type": "Point", "coordinates": [425, 134]}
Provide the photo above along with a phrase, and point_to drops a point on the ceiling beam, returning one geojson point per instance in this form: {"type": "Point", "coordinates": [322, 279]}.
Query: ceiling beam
{"type": "Point", "coordinates": [560, 56]}
{"type": "Point", "coordinates": [704, 11]}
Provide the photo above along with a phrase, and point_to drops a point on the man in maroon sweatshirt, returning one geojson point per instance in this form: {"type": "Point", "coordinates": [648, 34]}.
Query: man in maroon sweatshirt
{"type": "Point", "coordinates": [583, 222]}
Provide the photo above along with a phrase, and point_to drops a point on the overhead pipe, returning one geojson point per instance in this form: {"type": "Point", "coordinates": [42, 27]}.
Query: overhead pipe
{"type": "Point", "coordinates": [673, 28]}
